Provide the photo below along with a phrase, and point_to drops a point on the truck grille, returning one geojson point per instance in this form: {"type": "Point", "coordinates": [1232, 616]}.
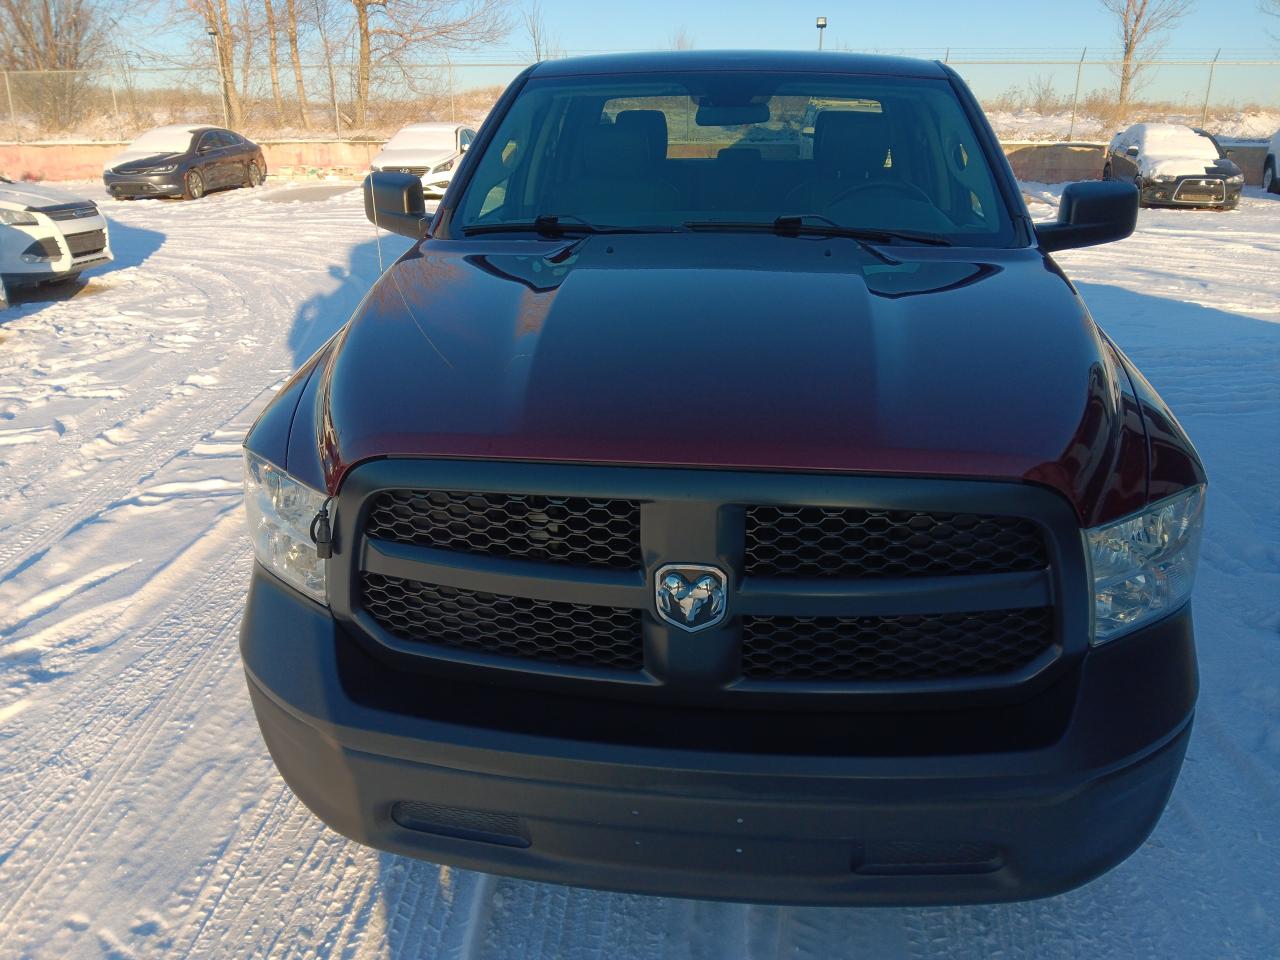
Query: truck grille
{"type": "Point", "coordinates": [545, 574]}
{"type": "Point", "coordinates": [569, 633]}
{"type": "Point", "coordinates": [857, 543]}
{"type": "Point", "coordinates": [571, 530]}
{"type": "Point", "coordinates": [894, 648]}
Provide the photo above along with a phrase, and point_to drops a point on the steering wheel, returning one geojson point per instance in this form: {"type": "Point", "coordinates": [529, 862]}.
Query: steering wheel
{"type": "Point", "coordinates": [906, 190]}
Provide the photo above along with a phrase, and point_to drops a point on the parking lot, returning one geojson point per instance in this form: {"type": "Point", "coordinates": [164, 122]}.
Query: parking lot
{"type": "Point", "coordinates": [140, 815]}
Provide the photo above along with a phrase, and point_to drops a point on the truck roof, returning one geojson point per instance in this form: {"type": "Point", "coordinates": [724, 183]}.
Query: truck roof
{"type": "Point", "coordinates": [799, 61]}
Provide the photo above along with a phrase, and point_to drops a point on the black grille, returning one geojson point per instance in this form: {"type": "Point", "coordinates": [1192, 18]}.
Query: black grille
{"type": "Point", "coordinates": [91, 241]}
{"type": "Point", "coordinates": [857, 543]}
{"type": "Point", "coordinates": [925, 647]}
{"type": "Point", "coordinates": [571, 633]}
{"type": "Point", "coordinates": [571, 530]}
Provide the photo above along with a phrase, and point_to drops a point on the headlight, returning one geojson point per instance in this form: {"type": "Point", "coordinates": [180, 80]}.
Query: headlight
{"type": "Point", "coordinates": [442, 167]}
{"type": "Point", "coordinates": [280, 512]}
{"type": "Point", "coordinates": [167, 168]}
{"type": "Point", "coordinates": [17, 218]}
{"type": "Point", "coordinates": [1237, 178]}
{"type": "Point", "coordinates": [1145, 565]}
{"type": "Point", "coordinates": [1163, 178]}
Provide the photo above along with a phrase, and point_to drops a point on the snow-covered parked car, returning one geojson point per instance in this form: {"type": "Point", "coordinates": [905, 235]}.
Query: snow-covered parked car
{"type": "Point", "coordinates": [1174, 165]}
{"type": "Point", "coordinates": [48, 235]}
{"type": "Point", "coordinates": [429, 151]}
{"type": "Point", "coordinates": [1271, 166]}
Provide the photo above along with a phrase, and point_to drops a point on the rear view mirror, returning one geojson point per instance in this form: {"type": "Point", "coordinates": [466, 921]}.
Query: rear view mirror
{"type": "Point", "coordinates": [394, 201]}
{"type": "Point", "coordinates": [1093, 211]}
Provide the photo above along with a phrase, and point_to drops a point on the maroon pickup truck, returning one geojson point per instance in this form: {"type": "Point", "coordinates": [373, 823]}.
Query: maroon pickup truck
{"type": "Point", "coordinates": [728, 496]}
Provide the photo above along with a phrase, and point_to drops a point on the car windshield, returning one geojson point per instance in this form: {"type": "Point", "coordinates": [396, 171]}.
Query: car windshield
{"type": "Point", "coordinates": [163, 141]}
{"type": "Point", "coordinates": [430, 138]}
{"type": "Point", "coordinates": [709, 150]}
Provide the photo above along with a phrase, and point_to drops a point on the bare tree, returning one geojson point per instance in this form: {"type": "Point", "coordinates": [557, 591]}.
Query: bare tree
{"type": "Point", "coordinates": [390, 31]}
{"type": "Point", "coordinates": [680, 40]}
{"type": "Point", "coordinates": [56, 35]}
{"type": "Point", "coordinates": [543, 45]}
{"type": "Point", "coordinates": [246, 39]}
{"type": "Point", "coordinates": [215, 17]}
{"type": "Point", "coordinates": [1272, 9]}
{"type": "Point", "coordinates": [291, 31]}
{"type": "Point", "coordinates": [273, 60]}
{"type": "Point", "coordinates": [1144, 26]}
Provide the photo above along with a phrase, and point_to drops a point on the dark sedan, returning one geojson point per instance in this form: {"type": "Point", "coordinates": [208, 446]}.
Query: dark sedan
{"type": "Point", "coordinates": [181, 160]}
{"type": "Point", "coordinates": [1174, 166]}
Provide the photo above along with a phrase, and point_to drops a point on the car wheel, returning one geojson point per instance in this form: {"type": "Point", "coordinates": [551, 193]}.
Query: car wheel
{"type": "Point", "coordinates": [253, 174]}
{"type": "Point", "coordinates": [1269, 181]}
{"type": "Point", "coordinates": [1106, 172]}
{"type": "Point", "coordinates": [192, 185]}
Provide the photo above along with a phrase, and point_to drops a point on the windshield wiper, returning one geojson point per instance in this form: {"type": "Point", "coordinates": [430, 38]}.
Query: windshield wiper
{"type": "Point", "coordinates": [816, 223]}
{"type": "Point", "coordinates": [556, 225]}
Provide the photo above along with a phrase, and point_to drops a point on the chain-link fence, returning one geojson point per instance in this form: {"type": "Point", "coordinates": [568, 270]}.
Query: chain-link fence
{"type": "Point", "coordinates": [1057, 97]}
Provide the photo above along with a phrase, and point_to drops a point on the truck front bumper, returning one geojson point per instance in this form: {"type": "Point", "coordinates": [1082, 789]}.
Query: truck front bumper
{"type": "Point", "coordinates": [764, 827]}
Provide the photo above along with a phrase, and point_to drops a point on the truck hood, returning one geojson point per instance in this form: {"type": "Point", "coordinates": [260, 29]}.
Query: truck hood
{"type": "Point", "coordinates": [735, 351]}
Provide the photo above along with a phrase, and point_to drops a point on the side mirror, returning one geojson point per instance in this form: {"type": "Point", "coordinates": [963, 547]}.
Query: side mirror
{"type": "Point", "coordinates": [1131, 152]}
{"type": "Point", "coordinates": [394, 201]}
{"type": "Point", "coordinates": [1092, 211]}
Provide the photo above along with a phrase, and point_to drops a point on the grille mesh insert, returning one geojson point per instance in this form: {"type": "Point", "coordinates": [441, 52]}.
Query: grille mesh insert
{"type": "Point", "coordinates": [573, 633]}
{"type": "Point", "coordinates": [924, 647]}
{"type": "Point", "coordinates": [571, 530]}
{"type": "Point", "coordinates": [857, 543]}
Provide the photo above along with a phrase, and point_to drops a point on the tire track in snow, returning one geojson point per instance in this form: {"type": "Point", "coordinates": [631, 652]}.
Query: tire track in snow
{"type": "Point", "coordinates": [170, 675]}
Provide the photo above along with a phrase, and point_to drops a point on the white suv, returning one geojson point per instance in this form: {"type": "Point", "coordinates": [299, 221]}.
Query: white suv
{"type": "Point", "coordinates": [48, 235]}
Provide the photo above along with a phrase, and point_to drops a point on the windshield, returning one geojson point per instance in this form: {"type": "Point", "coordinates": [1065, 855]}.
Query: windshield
{"type": "Point", "coordinates": [431, 138]}
{"type": "Point", "coordinates": [163, 141]}
{"type": "Point", "coordinates": [674, 150]}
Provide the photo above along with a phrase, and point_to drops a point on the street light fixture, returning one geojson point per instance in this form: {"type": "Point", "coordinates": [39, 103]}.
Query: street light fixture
{"type": "Point", "coordinates": [822, 25]}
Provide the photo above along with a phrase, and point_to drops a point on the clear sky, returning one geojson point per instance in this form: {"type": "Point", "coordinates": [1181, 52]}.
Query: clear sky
{"type": "Point", "coordinates": [969, 28]}
{"type": "Point", "coordinates": [1031, 24]}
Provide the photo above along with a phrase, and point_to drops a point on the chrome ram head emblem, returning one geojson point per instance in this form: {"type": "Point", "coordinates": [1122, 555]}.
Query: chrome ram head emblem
{"type": "Point", "coordinates": [690, 596]}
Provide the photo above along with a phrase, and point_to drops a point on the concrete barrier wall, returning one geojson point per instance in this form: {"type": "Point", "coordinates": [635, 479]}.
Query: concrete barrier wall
{"type": "Point", "coordinates": [291, 159]}
{"type": "Point", "coordinates": [314, 159]}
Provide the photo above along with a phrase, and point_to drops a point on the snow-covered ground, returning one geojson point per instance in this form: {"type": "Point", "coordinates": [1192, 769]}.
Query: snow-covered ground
{"type": "Point", "coordinates": [139, 813]}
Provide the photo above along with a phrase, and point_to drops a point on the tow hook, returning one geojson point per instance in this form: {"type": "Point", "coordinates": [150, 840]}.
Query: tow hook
{"type": "Point", "coordinates": [322, 531]}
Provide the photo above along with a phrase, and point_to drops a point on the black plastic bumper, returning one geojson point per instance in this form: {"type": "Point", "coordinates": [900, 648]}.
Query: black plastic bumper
{"type": "Point", "coordinates": [769, 827]}
{"type": "Point", "coordinates": [143, 184]}
{"type": "Point", "coordinates": [1170, 194]}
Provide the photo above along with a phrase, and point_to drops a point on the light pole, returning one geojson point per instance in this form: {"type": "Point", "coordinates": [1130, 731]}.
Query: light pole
{"type": "Point", "coordinates": [822, 25]}
{"type": "Point", "coordinates": [222, 77]}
